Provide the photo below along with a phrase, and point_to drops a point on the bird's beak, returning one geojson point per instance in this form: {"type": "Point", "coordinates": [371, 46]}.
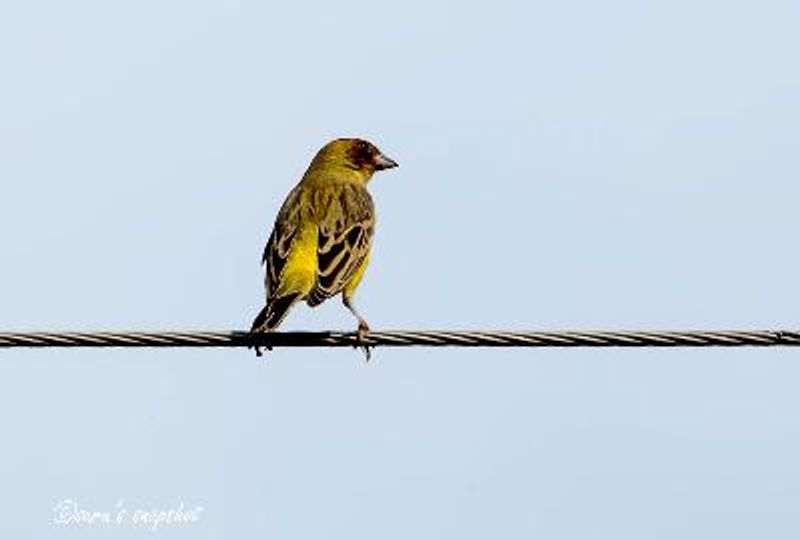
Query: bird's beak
{"type": "Point", "coordinates": [382, 162]}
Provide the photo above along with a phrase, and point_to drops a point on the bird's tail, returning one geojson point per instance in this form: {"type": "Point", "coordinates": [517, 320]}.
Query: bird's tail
{"type": "Point", "coordinates": [274, 312]}
{"type": "Point", "coordinates": [272, 315]}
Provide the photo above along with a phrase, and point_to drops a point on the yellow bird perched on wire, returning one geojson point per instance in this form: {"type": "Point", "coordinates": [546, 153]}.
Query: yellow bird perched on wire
{"type": "Point", "coordinates": [319, 246]}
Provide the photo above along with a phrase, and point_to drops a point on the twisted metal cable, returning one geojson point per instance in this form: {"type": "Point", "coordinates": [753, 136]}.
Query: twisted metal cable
{"type": "Point", "coordinates": [734, 338]}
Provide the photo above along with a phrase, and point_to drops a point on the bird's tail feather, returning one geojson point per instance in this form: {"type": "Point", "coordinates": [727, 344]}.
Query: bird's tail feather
{"type": "Point", "coordinates": [274, 312]}
{"type": "Point", "coordinates": [272, 315]}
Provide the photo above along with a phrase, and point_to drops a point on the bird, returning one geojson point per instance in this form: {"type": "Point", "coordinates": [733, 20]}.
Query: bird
{"type": "Point", "coordinates": [320, 244]}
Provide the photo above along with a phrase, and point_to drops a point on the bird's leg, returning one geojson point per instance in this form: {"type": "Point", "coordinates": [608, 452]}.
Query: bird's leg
{"type": "Point", "coordinates": [363, 328]}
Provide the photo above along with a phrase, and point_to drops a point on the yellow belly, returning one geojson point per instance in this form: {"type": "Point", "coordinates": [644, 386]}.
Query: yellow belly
{"type": "Point", "coordinates": [300, 271]}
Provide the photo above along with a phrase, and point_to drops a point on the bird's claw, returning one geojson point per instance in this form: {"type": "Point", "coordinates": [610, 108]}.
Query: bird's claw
{"type": "Point", "coordinates": [361, 339]}
{"type": "Point", "coordinates": [257, 348]}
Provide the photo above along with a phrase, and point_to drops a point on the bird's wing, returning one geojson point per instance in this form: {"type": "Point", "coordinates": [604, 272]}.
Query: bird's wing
{"type": "Point", "coordinates": [344, 240]}
{"type": "Point", "coordinates": [279, 246]}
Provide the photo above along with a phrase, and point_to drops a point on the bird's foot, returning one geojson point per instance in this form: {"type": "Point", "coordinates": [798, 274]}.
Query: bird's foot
{"type": "Point", "coordinates": [361, 339]}
{"type": "Point", "coordinates": [258, 347]}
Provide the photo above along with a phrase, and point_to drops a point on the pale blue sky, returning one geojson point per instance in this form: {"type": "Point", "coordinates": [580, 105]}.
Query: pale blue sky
{"type": "Point", "coordinates": [563, 165]}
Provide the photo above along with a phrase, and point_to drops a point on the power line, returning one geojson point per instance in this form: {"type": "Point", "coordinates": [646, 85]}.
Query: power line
{"type": "Point", "coordinates": [397, 338]}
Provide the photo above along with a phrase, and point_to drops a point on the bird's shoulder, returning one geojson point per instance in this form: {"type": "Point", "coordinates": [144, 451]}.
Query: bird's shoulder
{"type": "Point", "coordinates": [338, 203]}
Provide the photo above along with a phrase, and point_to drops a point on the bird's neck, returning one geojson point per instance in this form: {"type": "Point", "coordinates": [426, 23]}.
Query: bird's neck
{"type": "Point", "coordinates": [326, 174]}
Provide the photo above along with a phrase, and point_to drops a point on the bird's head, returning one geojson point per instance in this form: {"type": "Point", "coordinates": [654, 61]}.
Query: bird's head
{"type": "Point", "coordinates": [356, 155]}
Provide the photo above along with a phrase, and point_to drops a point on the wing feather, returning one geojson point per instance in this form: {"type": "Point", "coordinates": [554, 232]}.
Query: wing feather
{"type": "Point", "coordinates": [279, 246]}
{"type": "Point", "coordinates": [344, 239]}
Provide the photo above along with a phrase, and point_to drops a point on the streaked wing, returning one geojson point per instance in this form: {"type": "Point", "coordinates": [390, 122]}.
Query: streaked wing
{"type": "Point", "coordinates": [344, 240]}
{"type": "Point", "coordinates": [277, 250]}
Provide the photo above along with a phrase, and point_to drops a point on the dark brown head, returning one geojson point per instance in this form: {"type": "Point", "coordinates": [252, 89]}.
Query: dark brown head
{"type": "Point", "coordinates": [363, 154]}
